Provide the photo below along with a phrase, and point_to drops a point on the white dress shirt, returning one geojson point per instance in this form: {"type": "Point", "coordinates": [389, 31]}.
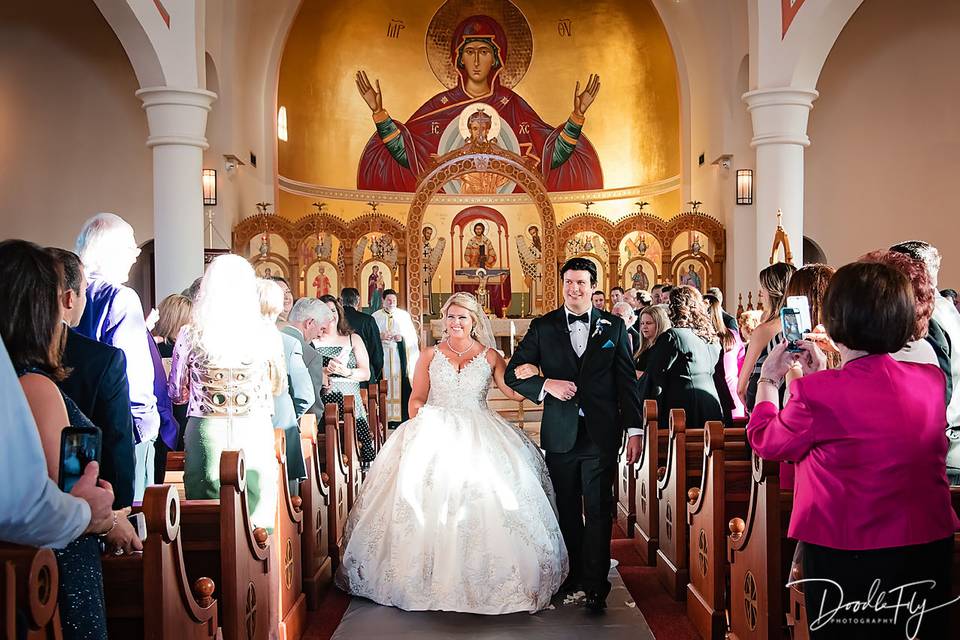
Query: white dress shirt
{"type": "Point", "coordinates": [33, 510]}
{"type": "Point", "coordinates": [579, 335]}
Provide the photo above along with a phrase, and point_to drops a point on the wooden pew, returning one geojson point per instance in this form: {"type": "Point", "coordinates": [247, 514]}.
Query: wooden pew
{"type": "Point", "coordinates": [219, 541]}
{"type": "Point", "coordinates": [29, 583]}
{"type": "Point", "coordinates": [287, 550]}
{"type": "Point", "coordinates": [760, 554]}
{"type": "Point", "coordinates": [650, 466]}
{"type": "Point", "coordinates": [683, 471]}
{"type": "Point", "coordinates": [351, 450]}
{"type": "Point", "coordinates": [174, 472]}
{"type": "Point", "coordinates": [383, 409]}
{"type": "Point", "coordinates": [315, 493]}
{"type": "Point", "coordinates": [147, 594]}
{"type": "Point", "coordinates": [372, 402]}
{"type": "Point", "coordinates": [338, 480]}
{"type": "Point", "coordinates": [626, 494]}
{"type": "Point", "coordinates": [723, 494]}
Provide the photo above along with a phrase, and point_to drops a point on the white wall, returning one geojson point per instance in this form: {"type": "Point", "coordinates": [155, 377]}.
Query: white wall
{"type": "Point", "coordinates": [72, 133]}
{"type": "Point", "coordinates": [882, 166]}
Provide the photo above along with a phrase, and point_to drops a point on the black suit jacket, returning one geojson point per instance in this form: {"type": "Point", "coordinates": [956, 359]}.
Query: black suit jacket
{"type": "Point", "coordinates": [314, 364]}
{"type": "Point", "coordinates": [729, 321]}
{"type": "Point", "coordinates": [366, 327]}
{"type": "Point", "coordinates": [607, 390]}
{"type": "Point", "coordinates": [98, 386]}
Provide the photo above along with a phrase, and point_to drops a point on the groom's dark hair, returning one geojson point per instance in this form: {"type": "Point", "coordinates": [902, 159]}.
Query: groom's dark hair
{"type": "Point", "coordinates": [580, 264]}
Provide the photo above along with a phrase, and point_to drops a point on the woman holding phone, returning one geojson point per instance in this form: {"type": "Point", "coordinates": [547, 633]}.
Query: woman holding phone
{"type": "Point", "coordinates": [31, 287]}
{"type": "Point", "coordinates": [346, 364]}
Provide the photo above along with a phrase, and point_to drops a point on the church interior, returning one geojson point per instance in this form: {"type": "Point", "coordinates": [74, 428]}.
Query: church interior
{"type": "Point", "coordinates": [416, 150]}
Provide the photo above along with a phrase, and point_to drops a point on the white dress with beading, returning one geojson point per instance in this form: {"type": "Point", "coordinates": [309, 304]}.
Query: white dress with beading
{"type": "Point", "coordinates": [457, 512]}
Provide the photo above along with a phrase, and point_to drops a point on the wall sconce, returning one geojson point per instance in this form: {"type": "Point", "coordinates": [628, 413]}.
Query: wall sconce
{"type": "Point", "coordinates": [282, 123]}
{"type": "Point", "coordinates": [209, 187]}
{"type": "Point", "coordinates": [744, 186]}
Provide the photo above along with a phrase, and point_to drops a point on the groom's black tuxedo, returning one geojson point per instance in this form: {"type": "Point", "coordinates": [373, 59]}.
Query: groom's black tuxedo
{"type": "Point", "coordinates": [605, 376]}
{"type": "Point", "coordinates": [582, 449]}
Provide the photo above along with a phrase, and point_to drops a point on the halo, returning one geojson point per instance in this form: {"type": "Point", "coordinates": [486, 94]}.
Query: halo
{"type": "Point", "coordinates": [514, 23]}
{"type": "Point", "coordinates": [481, 107]}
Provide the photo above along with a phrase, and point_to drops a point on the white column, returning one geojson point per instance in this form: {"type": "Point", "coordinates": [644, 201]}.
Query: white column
{"type": "Point", "coordinates": [779, 135]}
{"type": "Point", "coordinates": [177, 119]}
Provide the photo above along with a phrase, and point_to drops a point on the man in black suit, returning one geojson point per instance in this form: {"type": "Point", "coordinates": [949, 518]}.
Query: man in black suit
{"type": "Point", "coordinates": [366, 327]}
{"type": "Point", "coordinates": [728, 320]}
{"type": "Point", "coordinates": [590, 394]}
{"type": "Point", "coordinates": [98, 385]}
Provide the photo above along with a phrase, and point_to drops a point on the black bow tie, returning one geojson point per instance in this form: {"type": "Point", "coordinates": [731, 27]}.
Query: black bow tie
{"type": "Point", "coordinates": [583, 317]}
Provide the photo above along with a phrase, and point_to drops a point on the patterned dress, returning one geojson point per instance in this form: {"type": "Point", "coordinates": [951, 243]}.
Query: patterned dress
{"type": "Point", "coordinates": [340, 387]}
{"type": "Point", "coordinates": [80, 599]}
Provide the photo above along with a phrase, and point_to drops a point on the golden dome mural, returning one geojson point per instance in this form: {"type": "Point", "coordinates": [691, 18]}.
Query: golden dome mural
{"type": "Point", "coordinates": [374, 89]}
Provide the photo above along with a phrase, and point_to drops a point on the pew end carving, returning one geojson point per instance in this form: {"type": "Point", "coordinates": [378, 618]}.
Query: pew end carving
{"type": "Point", "coordinates": [30, 585]}
{"type": "Point", "coordinates": [317, 565]}
{"type": "Point", "coordinates": [646, 529]}
{"type": "Point", "coordinates": [287, 550]}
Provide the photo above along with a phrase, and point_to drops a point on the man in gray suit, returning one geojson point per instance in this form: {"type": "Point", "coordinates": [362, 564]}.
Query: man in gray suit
{"type": "Point", "coordinates": [303, 323]}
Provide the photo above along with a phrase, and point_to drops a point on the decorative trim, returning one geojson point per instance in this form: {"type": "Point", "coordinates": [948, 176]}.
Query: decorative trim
{"type": "Point", "coordinates": [311, 190]}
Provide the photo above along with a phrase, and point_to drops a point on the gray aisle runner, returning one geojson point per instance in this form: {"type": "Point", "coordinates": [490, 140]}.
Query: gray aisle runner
{"type": "Point", "coordinates": [563, 621]}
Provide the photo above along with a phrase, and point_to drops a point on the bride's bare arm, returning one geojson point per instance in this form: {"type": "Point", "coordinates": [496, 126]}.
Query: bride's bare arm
{"type": "Point", "coordinates": [421, 382]}
{"type": "Point", "coordinates": [499, 366]}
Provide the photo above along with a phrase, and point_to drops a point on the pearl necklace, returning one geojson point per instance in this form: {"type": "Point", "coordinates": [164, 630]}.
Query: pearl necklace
{"type": "Point", "coordinates": [460, 354]}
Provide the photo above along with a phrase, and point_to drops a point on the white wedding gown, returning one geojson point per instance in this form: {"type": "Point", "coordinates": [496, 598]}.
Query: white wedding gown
{"type": "Point", "coordinates": [457, 512]}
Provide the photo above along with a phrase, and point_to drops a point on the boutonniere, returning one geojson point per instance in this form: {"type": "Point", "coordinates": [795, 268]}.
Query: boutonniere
{"type": "Point", "coordinates": [600, 324]}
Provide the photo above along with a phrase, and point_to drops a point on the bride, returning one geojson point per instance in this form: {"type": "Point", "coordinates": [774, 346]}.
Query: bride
{"type": "Point", "coordinates": [457, 512]}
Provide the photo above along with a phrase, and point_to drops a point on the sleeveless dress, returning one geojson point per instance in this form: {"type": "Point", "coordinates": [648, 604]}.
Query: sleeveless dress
{"type": "Point", "coordinates": [340, 387]}
{"type": "Point", "coordinates": [80, 600]}
{"type": "Point", "coordinates": [457, 512]}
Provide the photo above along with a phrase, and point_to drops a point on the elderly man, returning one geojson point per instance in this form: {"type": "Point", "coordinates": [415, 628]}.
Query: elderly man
{"type": "Point", "coordinates": [944, 336]}
{"type": "Point", "coordinates": [114, 316]}
{"type": "Point", "coordinates": [625, 312]}
{"type": "Point", "coordinates": [97, 384]}
{"type": "Point", "coordinates": [304, 323]}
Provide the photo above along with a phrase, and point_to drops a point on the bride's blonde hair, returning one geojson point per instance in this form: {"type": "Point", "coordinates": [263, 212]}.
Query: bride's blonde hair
{"type": "Point", "coordinates": [480, 329]}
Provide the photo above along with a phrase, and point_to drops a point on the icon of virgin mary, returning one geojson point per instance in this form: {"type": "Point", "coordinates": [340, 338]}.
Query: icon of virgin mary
{"type": "Point", "coordinates": [398, 152]}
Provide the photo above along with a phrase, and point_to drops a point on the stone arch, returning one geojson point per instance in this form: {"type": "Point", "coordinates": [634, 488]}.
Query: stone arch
{"type": "Point", "coordinates": [135, 41]}
{"type": "Point", "coordinates": [821, 36]}
{"type": "Point", "coordinates": [247, 228]}
{"type": "Point", "coordinates": [472, 158]}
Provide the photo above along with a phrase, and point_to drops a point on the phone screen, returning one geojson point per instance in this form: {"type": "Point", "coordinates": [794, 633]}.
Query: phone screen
{"type": "Point", "coordinates": [78, 447]}
{"type": "Point", "coordinates": [790, 321]}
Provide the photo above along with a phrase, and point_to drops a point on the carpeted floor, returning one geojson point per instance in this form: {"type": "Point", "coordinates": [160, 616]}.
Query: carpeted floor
{"type": "Point", "coordinates": [665, 617]}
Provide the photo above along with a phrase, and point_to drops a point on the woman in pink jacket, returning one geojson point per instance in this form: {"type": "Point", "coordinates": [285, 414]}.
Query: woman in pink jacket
{"type": "Point", "coordinates": [871, 502]}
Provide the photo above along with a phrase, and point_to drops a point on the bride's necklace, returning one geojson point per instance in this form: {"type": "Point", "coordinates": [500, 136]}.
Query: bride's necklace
{"type": "Point", "coordinates": [460, 354]}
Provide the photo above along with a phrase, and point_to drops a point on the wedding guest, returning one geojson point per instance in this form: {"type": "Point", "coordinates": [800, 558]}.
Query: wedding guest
{"type": "Point", "coordinates": [114, 316]}
{"type": "Point", "coordinates": [616, 296]}
{"type": "Point", "coordinates": [952, 296]}
{"type": "Point", "coordinates": [597, 300]}
{"type": "Point", "coordinates": [655, 293]}
{"type": "Point", "coordinates": [228, 364]}
{"type": "Point", "coordinates": [728, 368]}
{"type": "Point", "coordinates": [33, 510]}
{"type": "Point", "coordinates": [346, 365]}
{"type": "Point", "coordinates": [654, 320]}
{"type": "Point", "coordinates": [947, 317]}
{"type": "Point", "coordinates": [664, 295]}
{"type": "Point", "coordinates": [191, 292]}
{"type": "Point", "coordinates": [32, 328]}
{"type": "Point", "coordinates": [305, 320]}
{"type": "Point", "coordinates": [97, 383]}
{"type": "Point", "coordinates": [749, 321]}
{"type": "Point", "coordinates": [773, 286]}
{"type": "Point", "coordinates": [365, 327]}
{"type": "Point", "coordinates": [728, 320]}
{"type": "Point", "coordinates": [174, 312]}
{"type": "Point", "coordinates": [290, 404]}
{"type": "Point", "coordinates": [855, 434]}
{"type": "Point", "coordinates": [287, 299]}
{"type": "Point", "coordinates": [679, 371]}
{"type": "Point", "coordinates": [625, 312]}
{"type": "Point", "coordinates": [644, 298]}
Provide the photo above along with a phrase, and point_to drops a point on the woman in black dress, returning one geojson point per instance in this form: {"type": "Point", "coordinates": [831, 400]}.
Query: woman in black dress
{"type": "Point", "coordinates": [32, 328]}
{"type": "Point", "coordinates": [679, 373]}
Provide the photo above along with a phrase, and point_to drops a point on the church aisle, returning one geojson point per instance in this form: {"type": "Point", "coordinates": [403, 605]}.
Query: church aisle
{"type": "Point", "coordinates": [365, 620]}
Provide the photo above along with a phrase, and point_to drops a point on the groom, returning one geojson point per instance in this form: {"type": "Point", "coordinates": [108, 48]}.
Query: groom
{"type": "Point", "coordinates": [590, 394]}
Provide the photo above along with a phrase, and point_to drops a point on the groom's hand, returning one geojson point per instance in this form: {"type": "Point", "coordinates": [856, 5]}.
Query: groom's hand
{"type": "Point", "coordinates": [560, 389]}
{"type": "Point", "coordinates": [634, 445]}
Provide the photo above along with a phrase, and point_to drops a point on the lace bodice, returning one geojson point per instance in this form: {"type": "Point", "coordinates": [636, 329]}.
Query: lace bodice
{"type": "Point", "coordinates": [464, 389]}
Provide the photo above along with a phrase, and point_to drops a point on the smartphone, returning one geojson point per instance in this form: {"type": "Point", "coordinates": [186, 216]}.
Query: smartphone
{"type": "Point", "coordinates": [139, 523]}
{"type": "Point", "coordinates": [78, 447]}
{"type": "Point", "coordinates": [801, 304]}
{"type": "Point", "coordinates": [790, 322]}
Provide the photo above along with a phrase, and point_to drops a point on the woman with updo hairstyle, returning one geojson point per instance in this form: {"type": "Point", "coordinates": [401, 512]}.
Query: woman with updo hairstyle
{"type": "Point", "coordinates": [773, 296]}
{"type": "Point", "coordinates": [680, 369]}
{"type": "Point", "coordinates": [464, 493]}
{"type": "Point", "coordinates": [871, 504]}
